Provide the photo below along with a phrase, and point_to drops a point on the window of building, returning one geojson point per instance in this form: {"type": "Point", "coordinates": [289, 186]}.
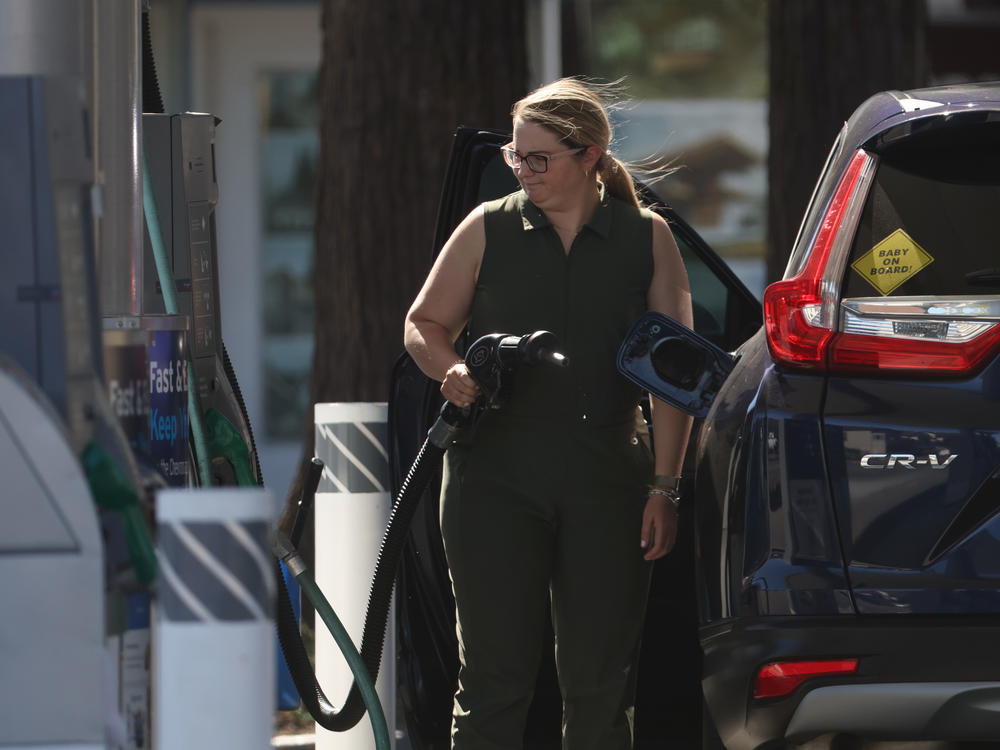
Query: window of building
{"type": "Point", "coordinates": [697, 77]}
{"type": "Point", "coordinates": [289, 120]}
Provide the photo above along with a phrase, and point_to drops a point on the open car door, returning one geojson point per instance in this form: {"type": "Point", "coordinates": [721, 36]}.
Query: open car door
{"type": "Point", "coordinates": [669, 698]}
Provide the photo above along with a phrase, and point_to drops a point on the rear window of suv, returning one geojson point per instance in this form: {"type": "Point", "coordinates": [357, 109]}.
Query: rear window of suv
{"type": "Point", "coordinates": [931, 221]}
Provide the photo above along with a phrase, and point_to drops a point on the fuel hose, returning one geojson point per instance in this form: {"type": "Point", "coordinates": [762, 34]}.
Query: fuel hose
{"type": "Point", "coordinates": [166, 278]}
{"type": "Point", "coordinates": [379, 598]}
{"type": "Point", "coordinates": [364, 682]}
{"type": "Point", "coordinates": [502, 355]}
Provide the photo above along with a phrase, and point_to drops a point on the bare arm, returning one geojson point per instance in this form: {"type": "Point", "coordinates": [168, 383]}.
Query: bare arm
{"type": "Point", "coordinates": [442, 307]}
{"type": "Point", "coordinates": [669, 294]}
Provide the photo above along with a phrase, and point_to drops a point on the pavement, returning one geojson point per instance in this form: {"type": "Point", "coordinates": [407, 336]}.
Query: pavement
{"type": "Point", "coordinates": [296, 741]}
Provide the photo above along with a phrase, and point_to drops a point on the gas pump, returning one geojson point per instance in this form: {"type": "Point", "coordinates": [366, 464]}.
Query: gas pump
{"type": "Point", "coordinates": [180, 169]}
{"type": "Point", "coordinates": [74, 507]}
{"type": "Point", "coordinates": [110, 356]}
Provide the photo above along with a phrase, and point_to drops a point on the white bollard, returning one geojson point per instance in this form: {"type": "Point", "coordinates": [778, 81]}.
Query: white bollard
{"type": "Point", "coordinates": [352, 509]}
{"type": "Point", "coordinates": [213, 630]}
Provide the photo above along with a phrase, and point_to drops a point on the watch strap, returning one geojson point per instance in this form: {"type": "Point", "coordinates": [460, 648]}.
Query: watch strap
{"type": "Point", "coordinates": [667, 482]}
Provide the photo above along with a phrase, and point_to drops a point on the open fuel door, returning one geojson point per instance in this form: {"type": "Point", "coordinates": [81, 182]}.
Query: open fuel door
{"type": "Point", "coordinates": [725, 314]}
{"type": "Point", "coordinates": [674, 363]}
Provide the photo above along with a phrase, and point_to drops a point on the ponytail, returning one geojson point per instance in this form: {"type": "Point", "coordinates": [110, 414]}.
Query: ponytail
{"type": "Point", "coordinates": [617, 179]}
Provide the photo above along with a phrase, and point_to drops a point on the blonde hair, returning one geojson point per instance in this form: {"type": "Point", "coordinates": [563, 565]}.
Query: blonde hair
{"type": "Point", "coordinates": [576, 110]}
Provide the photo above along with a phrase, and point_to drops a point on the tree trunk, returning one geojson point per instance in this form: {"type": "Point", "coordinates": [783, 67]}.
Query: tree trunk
{"type": "Point", "coordinates": [395, 81]}
{"type": "Point", "coordinates": [826, 57]}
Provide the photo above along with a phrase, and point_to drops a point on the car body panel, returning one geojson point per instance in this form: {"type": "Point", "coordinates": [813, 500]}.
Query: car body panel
{"type": "Point", "coordinates": [919, 515]}
{"type": "Point", "coordinates": [768, 544]}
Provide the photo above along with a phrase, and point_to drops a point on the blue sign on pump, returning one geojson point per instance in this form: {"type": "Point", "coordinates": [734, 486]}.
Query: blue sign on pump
{"type": "Point", "coordinates": [168, 405]}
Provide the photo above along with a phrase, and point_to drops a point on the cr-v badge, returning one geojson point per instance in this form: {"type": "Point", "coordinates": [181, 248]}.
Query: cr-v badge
{"type": "Point", "coordinates": [906, 460]}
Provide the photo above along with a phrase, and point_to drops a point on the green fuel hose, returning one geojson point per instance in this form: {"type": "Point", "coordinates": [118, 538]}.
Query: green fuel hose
{"type": "Point", "coordinates": [169, 289]}
{"type": "Point", "coordinates": [289, 555]}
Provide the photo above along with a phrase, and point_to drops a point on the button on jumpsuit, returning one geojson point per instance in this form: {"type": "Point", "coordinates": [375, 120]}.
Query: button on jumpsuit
{"type": "Point", "coordinates": [542, 510]}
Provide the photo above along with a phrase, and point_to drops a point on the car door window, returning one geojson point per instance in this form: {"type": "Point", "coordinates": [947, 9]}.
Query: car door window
{"type": "Point", "coordinates": [725, 312]}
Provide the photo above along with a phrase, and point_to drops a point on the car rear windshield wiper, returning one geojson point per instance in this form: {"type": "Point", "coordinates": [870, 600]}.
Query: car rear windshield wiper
{"type": "Point", "coordinates": [983, 276]}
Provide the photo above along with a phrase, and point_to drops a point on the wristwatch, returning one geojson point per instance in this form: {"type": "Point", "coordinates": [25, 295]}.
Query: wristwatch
{"type": "Point", "coordinates": [667, 482]}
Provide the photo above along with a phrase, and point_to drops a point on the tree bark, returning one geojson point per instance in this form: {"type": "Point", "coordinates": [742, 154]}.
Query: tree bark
{"type": "Point", "coordinates": [826, 57]}
{"type": "Point", "coordinates": [395, 81]}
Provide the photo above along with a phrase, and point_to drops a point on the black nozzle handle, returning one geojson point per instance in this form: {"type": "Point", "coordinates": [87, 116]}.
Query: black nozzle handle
{"type": "Point", "coordinates": [314, 472]}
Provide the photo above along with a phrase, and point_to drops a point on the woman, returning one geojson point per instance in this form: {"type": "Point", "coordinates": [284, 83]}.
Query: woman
{"type": "Point", "coordinates": [553, 505]}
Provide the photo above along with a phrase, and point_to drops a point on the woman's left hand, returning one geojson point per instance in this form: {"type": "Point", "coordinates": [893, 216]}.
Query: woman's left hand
{"type": "Point", "coordinates": [659, 527]}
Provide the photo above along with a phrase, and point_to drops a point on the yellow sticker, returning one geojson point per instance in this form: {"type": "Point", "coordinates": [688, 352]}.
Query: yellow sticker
{"type": "Point", "coordinates": [895, 259]}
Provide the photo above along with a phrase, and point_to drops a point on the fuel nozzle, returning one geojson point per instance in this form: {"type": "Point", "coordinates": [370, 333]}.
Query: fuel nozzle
{"type": "Point", "coordinates": [492, 360]}
{"type": "Point", "coordinates": [539, 346]}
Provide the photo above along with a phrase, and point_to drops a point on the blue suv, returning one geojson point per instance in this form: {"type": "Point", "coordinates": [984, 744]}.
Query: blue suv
{"type": "Point", "coordinates": [846, 481]}
{"type": "Point", "coordinates": [837, 576]}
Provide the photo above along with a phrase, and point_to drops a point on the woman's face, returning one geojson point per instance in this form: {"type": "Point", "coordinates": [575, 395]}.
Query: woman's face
{"type": "Point", "coordinates": [565, 174]}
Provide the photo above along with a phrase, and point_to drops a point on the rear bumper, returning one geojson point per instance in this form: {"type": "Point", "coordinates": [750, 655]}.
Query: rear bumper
{"type": "Point", "coordinates": [918, 678]}
{"type": "Point", "coordinates": [900, 710]}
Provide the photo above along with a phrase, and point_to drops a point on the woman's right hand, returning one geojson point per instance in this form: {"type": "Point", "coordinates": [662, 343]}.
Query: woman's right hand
{"type": "Point", "coordinates": [458, 385]}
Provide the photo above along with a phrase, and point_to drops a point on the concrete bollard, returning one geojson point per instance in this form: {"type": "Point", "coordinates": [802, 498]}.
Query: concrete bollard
{"type": "Point", "coordinates": [213, 630]}
{"type": "Point", "coordinates": [353, 504]}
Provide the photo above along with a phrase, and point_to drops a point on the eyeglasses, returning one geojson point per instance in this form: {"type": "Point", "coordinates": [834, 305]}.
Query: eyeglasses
{"type": "Point", "coordinates": [537, 163]}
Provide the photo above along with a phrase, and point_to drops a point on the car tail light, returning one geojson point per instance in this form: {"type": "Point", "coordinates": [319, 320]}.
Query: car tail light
{"type": "Point", "coordinates": [935, 337]}
{"type": "Point", "coordinates": [778, 679]}
{"type": "Point", "coordinates": [931, 337]}
{"type": "Point", "coordinates": [800, 312]}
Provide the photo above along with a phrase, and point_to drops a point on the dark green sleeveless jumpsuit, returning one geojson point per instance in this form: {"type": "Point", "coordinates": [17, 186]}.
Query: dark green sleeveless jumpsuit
{"type": "Point", "coordinates": [543, 509]}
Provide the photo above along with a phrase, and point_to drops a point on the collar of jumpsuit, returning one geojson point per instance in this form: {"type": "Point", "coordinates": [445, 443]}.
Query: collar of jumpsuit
{"type": "Point", "coordinates": [532, 217]}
